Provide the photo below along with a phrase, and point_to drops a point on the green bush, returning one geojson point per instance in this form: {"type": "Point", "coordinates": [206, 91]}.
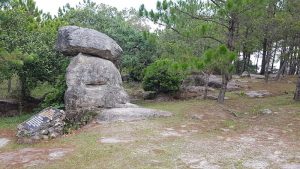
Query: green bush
{"type": "Point", "coordinates": [162, 77]}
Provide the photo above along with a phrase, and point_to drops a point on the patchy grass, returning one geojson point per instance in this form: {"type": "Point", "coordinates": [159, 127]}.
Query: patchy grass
{"type": "Point", "coordinates": [227, 135]}
{"type": "Point", "coordinates": [12, 122]}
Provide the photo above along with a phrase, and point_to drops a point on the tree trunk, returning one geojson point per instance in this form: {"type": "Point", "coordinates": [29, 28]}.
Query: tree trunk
{"type": "Point", "coordinates": [274, 56]}
{"type": "Point", "coordinates": [263, 62]}
{"type": "Point", "coordinates": [225, 79]}
{"type": "Point", "coordinates": [280, 72]}
{"type": "Point", "coordinates": [268, 56]}
{"type": "Point", "coordinates": [297, 92]}
{"type": "Point", "coordinates": [9, 86]}
{"type": "Point", "coordinates": [257, 61]}
{"type": "Point", "coordinates": [206, 76]}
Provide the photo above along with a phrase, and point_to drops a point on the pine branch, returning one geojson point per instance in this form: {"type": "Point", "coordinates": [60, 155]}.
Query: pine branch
{"type": "Point", "coordinates": [202, 18]}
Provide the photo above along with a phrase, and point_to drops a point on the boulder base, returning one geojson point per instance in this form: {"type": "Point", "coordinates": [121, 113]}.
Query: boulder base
{"type": "Point", "coordinates": [130, 114]}
{"type": "Point", "coordinates": [93, 83]}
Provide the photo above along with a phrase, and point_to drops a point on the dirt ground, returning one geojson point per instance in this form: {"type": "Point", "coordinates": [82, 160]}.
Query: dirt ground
{"type": "Point", "coordinates": [200, 134]}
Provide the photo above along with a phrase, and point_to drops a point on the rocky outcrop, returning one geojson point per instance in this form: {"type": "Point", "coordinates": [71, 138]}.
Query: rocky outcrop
{"type": "Point", "coordinates": [130, 114]}
{"type": "Point", "coordinates": [258, 93]}
{"type": "Point", "coordinates": [193, 85]}
{"type": "Point", "coordinates": [73, 40]}
{"type": "Point", "coordinates": [49, 123]}
{"type": "Point", "coordinates": [93, 83]}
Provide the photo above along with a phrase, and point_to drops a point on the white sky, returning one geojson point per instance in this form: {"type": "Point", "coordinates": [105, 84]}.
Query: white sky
{"type": "Point", "coordinates": [53, 5]}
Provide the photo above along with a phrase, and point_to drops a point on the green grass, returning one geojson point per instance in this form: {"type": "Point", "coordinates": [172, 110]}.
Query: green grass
{"type": "Point", "coordinates": [12, 122]}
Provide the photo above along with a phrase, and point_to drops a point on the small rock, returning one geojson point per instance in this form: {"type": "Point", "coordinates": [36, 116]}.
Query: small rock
{"type": "Point", "coordinates": [291, 166]}
{"type": "Point", "coordinates": [245, 74]}
{"type": "Point", "coordinates": [225, 130]}
{"type": "Point", "coordinates": [44, 132]}
{"type": "Point", "coordinates": [197, 116]}
{"type": "Point", "coordinates": [36, 137]}
{"type": "Point", "coordinates": [113, 140]}
{"type": "Point", "coordinates": [258, 94]}
{"type": "Point", "coordinates": [3, 142]}
{"type": "Point", "coordinates": [266, 111]}
{"type": "Point", "coordinates": [53, 135]}
{"type": "Point", "coordinates": [255, 76]}
{"type": "Point", "coordinates": [45, 137]}
{"type": "Point", "coordinates": [56, 155]}
{"type": "Point", "coordinates": [256, 164]}
{"type": "Point", "coordinates": [170, 134]}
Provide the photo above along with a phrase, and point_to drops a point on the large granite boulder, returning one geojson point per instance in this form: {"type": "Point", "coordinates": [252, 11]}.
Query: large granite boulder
{"type": "Point", "coordinates": [93, 83]}
{"type": "Point", "coordinates": [73, 40]}
{"type": "Point", "coordinates": [49, 123]}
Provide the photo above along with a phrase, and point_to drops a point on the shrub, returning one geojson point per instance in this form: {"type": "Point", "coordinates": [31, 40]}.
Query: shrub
{"type": "Point", "coordinates": [162, 77]}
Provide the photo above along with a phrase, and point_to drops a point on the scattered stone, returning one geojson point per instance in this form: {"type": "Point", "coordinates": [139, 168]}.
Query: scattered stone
{"type": "Point", "coordinates": [266, 111]}
{"type": "Point", "coordinates": [258, 94]}
{"type": "Point", "coordinates": [197, 162]}
{"type": "Point", "coordinates": [192, 91]}
{"type": "Point", "coordinates": [130, 114]}
{"type": "Point", "coordinates": [225, 130]}
{"type": "Point", "coordinates": [48, 123]}
{"type": "Point", "coordinates": [73, 40]}
{"type": "Point", "coordinates": [236, 77]}
{"type": "Point", "coordinates": [197, 116]}
{"type": "Point", "coordinates": [30, 157]}
{"type": "Point", "coordinates": [169, 129]}
{"type": "Point", "coordinates": [55, 155]}
{"type": "Point", "coordinates": [291, 166]}
{"type": "Point", "coordinates": [113, 140]}
{"type": "Point", "coordinates": [245, 74]}
{"type": "Point", "coordinates": [3, 142]}
{"type": "Point", "coordinates": [255, 76]}
{"type": "Point", "coordinates": [256, 164]}
{"type": "Point", "coordinates": [212, 97]}
{"type": "Point", "coordinates": [170, 134]}
{"type": "Point", "coordinates": [248, 139]}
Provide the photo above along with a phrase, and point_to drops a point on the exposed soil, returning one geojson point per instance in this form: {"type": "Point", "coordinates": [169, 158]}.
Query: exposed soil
{"type": "Point", "coordinates": [201, 134]}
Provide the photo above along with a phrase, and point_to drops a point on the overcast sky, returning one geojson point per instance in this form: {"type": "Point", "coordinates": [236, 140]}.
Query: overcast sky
{"type": "Point", "coordinates": [53, 5]}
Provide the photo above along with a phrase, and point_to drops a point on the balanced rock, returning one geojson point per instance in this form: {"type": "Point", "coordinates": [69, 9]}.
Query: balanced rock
{"type": "Point", "coordinates": [73, 40]}
{"type": "Point", "coordinates": [93, 83]}
{"type": "Point", "coordinates": [47, 123]}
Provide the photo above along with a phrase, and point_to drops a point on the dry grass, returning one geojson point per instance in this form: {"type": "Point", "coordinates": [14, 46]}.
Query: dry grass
{"type": "Point", "coordinates": [215, 135]}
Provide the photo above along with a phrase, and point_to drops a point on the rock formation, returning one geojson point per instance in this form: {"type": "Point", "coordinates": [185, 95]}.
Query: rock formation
{"type": "Point", "coordinates": [94, 83]}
